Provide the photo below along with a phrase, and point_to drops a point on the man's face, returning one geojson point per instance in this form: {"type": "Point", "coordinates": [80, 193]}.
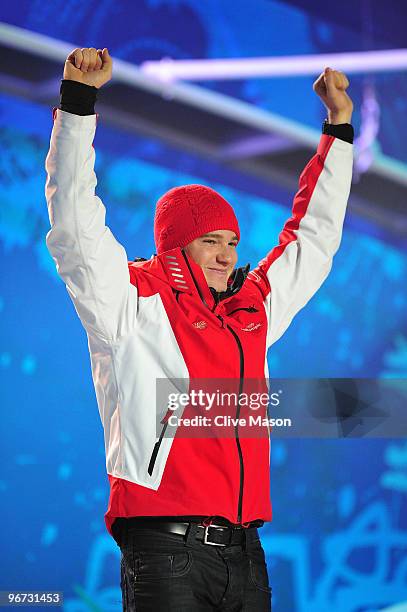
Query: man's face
{"type": "Point", "coordinates": [216, 254]}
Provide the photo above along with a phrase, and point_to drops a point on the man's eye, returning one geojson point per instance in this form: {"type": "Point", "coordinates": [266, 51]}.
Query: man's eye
{"type": "Point", "coordinates": [212, 241]}
{"type": "Point", "coordinates": [233, 244]}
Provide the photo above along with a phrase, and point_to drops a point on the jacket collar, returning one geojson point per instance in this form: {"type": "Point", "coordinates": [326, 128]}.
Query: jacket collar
{"type": "Point", "coordinates": [185, 275]}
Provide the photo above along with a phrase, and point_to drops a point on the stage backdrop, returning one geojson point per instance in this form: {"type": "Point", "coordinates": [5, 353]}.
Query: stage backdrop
{"type": "Point", "coordinates": [338, 538]}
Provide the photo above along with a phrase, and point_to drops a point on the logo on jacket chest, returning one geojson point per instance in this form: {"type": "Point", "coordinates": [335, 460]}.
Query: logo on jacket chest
{"type": "Point", "coordinates": [251, 327]}
{"type": "Point", "coordinates": [200, 324]}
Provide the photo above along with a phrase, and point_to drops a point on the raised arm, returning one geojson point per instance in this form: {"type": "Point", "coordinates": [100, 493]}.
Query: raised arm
{"type": "Point", "coordinates": [88, 258]}
{"type": "Point", "coordinates": [294, 270]}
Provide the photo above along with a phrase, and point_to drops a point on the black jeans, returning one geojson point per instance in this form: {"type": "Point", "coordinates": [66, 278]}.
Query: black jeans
{"type": "Point", "coordinates": [170, 572]}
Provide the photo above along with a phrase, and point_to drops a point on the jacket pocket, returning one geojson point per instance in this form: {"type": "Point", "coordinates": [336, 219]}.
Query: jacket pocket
{"type": "Point", "coordinates": [153, 457]}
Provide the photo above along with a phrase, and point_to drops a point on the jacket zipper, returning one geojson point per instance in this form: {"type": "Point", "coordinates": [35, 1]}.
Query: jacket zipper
{"type": "Point", "coordinates": [241, 356]}
{"type": "Point", "coordinates": [239, 448]}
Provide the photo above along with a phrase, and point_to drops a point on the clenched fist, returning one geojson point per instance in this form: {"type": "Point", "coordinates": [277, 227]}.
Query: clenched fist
{"type": "Point", "coordinates": [331, 87]}
{"type": "Point", "coordinates": [89, 66]}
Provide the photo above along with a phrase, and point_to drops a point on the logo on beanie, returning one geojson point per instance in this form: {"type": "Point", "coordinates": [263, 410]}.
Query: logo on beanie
{"type": "Point", "coordinates": [203, 208]}
{"type": "Point", "coordinates": [167, 232]}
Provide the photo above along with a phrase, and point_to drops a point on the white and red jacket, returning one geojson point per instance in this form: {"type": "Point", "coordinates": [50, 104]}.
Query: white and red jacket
{"type": "Point", "coordinates": [159, 319]}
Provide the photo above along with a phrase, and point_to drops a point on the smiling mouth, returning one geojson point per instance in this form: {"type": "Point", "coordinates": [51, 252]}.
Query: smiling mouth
{"type": "Point", "coordinates": [220, 272]}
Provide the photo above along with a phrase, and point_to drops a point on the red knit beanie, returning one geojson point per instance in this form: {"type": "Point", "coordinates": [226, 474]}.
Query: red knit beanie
{"type": "Point", "coordinates": [186, 212]}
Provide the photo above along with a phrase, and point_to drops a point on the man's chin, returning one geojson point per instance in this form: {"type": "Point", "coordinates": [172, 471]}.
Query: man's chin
{"type": "Point", "coordinates": [217, 286]}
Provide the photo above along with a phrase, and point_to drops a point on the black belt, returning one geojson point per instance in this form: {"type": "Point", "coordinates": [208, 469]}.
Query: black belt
{"type": "Point", "coordinates": [214, 534]}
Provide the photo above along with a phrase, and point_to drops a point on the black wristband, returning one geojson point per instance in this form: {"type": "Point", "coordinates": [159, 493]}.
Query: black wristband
{"type": "Point", "coordinates": [343, 131]}
{"type": "Point", "coordinates": [77, 98]}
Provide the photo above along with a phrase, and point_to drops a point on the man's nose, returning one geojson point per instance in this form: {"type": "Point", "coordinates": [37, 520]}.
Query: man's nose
{"type": "Point", "coordinates": [224, 256]}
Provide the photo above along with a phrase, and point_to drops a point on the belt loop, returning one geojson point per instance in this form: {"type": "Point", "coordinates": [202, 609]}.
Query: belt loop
{"type": "Point", "coordinates": [190, 535]}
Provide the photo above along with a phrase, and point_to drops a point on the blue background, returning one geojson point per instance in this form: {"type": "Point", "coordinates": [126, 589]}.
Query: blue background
{"type": "Point", "coordinates": [338, 537]}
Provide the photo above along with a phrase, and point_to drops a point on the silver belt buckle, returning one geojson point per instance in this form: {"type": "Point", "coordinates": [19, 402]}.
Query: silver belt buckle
{"type": "Point", "coordinates": [206, 535]}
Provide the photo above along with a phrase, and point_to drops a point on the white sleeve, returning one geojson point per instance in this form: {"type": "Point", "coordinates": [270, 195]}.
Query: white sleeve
{"type": "Point", "coordinates": [294, 270]}
{"type": "Point", "coordinates": [88, 258]}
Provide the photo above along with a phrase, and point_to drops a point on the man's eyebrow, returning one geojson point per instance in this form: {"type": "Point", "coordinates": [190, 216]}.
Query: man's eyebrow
{"type": "Point", "coordinates": [218, 236]}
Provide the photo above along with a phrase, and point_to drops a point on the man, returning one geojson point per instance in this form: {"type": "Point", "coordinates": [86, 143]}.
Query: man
{"type": "Point", "coordinates": [185, 510]}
